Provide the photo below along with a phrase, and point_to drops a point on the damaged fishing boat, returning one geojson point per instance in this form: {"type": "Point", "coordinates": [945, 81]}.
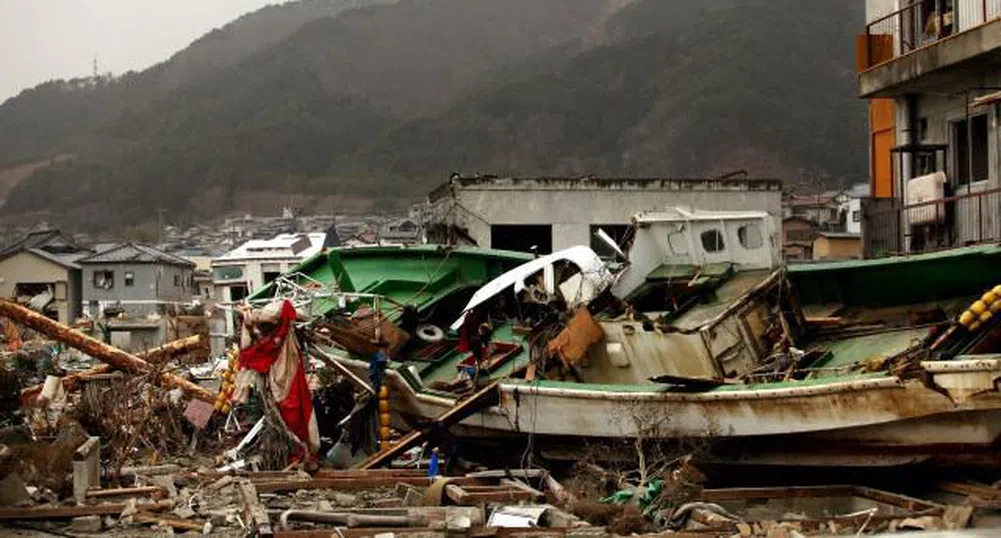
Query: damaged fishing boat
{"type": "Point", "coordinates": [696, 330]}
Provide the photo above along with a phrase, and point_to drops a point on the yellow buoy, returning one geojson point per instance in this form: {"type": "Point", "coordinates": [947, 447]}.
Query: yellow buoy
{"type": "Point", "coordinates": [978, 307]}
{"type": "Point", "coordinates": [967, 318]}
{"type": "Point", "coordinates": [989, 297]}
{"type": "Point", "coordinates": [985, 316]}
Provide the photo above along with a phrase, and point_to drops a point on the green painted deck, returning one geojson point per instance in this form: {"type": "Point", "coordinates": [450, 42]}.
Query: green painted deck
{"type": "Point", "coordinates": [420, 275]}
{"type": "Point", "coordinates": [849, 351]}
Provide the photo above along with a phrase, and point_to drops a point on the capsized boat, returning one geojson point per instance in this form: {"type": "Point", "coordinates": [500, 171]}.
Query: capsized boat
{"type": "Point", "coordinates": [696, 331]}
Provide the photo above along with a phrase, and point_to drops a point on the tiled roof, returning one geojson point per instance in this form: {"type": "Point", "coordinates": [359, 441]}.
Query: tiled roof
{"type": "Point", "coordinates": [29, 240]}
{"type": "Point", "coordinates": [136, 253]}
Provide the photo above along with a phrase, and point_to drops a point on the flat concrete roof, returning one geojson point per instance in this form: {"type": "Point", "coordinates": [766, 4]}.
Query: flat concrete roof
{"type": "Point", "coordinates": [495, 183]}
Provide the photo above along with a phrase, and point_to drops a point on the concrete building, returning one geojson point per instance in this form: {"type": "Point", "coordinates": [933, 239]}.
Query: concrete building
{"type": "Point", "coordinates": [40, 268]}
{"type": "Point", "coordinates": [137, 280]}
{"type": "Point", "coordinates": [931, 70]}
{"type": "Point", "coordinates": [251, 266]}
{"type": "Point", "coordinates": [549, 214]}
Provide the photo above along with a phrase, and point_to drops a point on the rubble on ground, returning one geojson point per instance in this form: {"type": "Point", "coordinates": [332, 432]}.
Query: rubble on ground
{"type": "Point", "coordinates": [95, 440]}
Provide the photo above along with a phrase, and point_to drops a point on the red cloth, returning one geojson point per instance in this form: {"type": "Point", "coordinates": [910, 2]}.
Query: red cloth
{"type": "Point", "coordinates": [297, 408]}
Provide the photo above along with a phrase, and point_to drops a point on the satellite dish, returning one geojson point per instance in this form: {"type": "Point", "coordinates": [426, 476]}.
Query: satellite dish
{"type": "Point", "coordinates": [607, 239]}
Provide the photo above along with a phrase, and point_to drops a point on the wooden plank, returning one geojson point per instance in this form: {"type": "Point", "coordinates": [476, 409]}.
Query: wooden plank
{"type": "Point", "coordinates": [536, 494]}
{"type": "Point", "coordinates": [469, 497]}
{"type": "Point", "coordinates": [486, 396]}
{"type": "Point", "coordinates": [65, 512]}
{"type": "Point", "coordinates": [116, 492]}
{"type": "Point", "coordinates": [177, 523]}
{"type": "Point", "coordinates": [971, 489]}
{"type": "Point", "coordinates": [370, 473]}
{"type": "Point", "coordinates": [351, 484]}
{"type": "Point", "coordinates": [105, 353]}
{"type": "Point", "coordinates": [254, 513]}
{"type": "Point", "coordinates": [733, 494]}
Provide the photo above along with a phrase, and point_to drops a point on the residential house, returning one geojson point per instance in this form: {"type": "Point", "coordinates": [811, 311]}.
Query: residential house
{"type": "Point", "coordinates": [40, 268]}
{"type": "Point", "coordinates": [930, 72]}
{"type": "Point", "coordinates": [823, 209]}
{"type": "Point", "coordinates": [798, 234]}
{"type": "Point", "coordinates": [401, 232]}
{"type": "Point", "coordinates": [135, 279]}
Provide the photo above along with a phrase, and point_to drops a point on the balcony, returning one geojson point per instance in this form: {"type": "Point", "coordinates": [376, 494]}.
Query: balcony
{"type": "Point", "coordinates": [927, 45]}
{"type": "Point", "coordinates": [891, 229]}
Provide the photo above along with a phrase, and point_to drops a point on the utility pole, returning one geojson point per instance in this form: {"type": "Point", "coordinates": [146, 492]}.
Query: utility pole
{"type": "Point", "coordinates": [159, 226]}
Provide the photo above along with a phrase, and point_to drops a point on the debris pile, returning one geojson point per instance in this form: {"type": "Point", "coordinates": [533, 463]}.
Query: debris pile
{"type": "Point", "coordinates": [418, 407]}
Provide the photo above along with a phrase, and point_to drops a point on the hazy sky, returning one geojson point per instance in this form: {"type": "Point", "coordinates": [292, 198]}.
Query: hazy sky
{"type": "Point", "coordinates": [46, 39]}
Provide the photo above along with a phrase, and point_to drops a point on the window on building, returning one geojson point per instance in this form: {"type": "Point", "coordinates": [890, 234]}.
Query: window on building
{"type": "Point", "coordinates": [970, 157]}
{"type": "Point", "coordinates": [177, 280]}
{"type": "Point", "coordinates": [238, 293]}
{"type": "Point", "coordinates": [227, 272]}
{"type": "Point", "coordinates": [856, 216]}
{"type": "Point", "coordinates": [270, 276]}
{"type": "Point", "coordinates": [522, 237]}
{"type": "Point", "coordinates": [712, 240]}
{"type": "Point", "coordinates": [617, 232]}
{"type": "Point", "coordinates": [130, 279]}
{"type": "Point", "coordinates": [104, 280]}
{"type": "Point", "coordinates": [750, 237]}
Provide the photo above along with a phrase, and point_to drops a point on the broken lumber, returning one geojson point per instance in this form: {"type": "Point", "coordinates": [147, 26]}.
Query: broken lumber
{"type": "Point", "coordinates": [64, 512]}
{"type": "Point", "coordinates": [417, 516]}
{"type": "Point", "coordinates": [118, 492]}
{"type": "Point", "coordinates": [114, 357]}
{"type": "Point", "coordinates": [253, 511]}
{"type": "Point", "coordinates": [352, 484]}
{"type": "Point", "coordinates": [157, 354]}
{"type": "Point", "coordinates": [474, 495]}
{"type": "Point", "coordinates": [177, 523]}
{"type": "Point", "coordinates": [463, 409]}
{"type": "Point", "coordinates": [86, 468]}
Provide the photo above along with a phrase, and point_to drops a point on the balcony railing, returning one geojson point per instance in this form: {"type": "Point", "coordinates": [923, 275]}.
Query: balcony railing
{"type": "Point", "coordinates": [889, 229]}
{"type": "Point", "coordinates": [922, 23]}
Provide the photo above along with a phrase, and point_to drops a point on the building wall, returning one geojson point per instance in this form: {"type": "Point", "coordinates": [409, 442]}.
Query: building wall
{"type": "Point", "coordinates": [572, 206]}
{"type": "Point", "coordinates": [975, 218]}
{"type": "Point", "coordinates": [837, 248]}
{"type": "Point", "coordinates": [153, 282]}
{"type": "Point", "coordinates": [25, 267]}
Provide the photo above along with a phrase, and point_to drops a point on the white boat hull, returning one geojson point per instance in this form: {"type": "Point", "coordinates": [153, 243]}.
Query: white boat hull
{"type": "Point", "coordinates": [884, 412]}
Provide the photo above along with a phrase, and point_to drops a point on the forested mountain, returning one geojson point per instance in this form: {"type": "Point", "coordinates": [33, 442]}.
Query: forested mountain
{"type": "Point", "coordinates": [382, 101]}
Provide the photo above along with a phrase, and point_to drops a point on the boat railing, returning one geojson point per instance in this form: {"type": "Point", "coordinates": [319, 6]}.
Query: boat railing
{"type": "Point", "coordinates": [962, 220]}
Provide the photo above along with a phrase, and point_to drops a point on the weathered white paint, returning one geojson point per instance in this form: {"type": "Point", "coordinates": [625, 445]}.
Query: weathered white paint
{"type": "Point", "coordinates": [677, 237]}
{"type": "Point", "coordinates": [864, 410]}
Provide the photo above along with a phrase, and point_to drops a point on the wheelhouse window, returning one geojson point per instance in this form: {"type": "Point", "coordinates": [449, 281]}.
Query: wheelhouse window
{"type": "Point", "coordinates": [712, 240]}
{"type": "Point", "coordinates": [130, 279]}
{"type": "Point", "coordinates": [749, 236]}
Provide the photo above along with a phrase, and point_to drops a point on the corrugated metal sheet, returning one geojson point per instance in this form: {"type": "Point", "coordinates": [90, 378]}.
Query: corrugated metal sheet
{"type": "Point", "coordinates": [993, 9]}
{"type": "Point", "coordinates": [970, 13]}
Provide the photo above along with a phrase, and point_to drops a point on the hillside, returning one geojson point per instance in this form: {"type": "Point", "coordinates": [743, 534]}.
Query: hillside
{"type": "Point", "coordinates": [375, 105]}
{"type": "Point", "coordinates": [680, 92]}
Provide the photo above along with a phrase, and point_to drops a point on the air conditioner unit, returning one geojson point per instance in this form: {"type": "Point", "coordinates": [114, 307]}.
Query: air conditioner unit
{"type": "Point", "coordinates": [926, 189]}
